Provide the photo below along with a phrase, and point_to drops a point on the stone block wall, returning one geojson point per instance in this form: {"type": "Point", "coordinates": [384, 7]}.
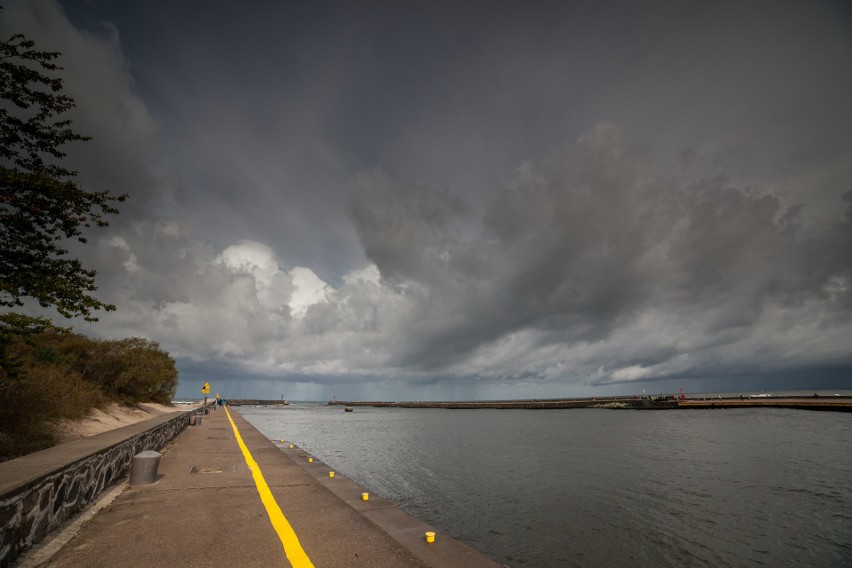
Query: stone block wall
{"type": "Point", "coordinates": [30, 511]}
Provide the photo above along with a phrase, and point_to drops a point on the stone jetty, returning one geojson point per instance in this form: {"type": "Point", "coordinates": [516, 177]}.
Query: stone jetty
{"type": "Point", "coordinates": [661, 402]}
{"type": "Point", "coordinates": [225, 495]}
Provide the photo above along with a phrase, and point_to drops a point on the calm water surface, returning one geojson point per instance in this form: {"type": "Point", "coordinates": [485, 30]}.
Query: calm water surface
{"type": "Point", "coordinates": [590, 487]}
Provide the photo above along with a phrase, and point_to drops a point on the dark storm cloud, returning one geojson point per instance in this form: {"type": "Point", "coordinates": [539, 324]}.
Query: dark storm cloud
{"type": "Point", "coordinates": [478, 198]}
{"type": "Point", "coordinates": [592, 239]}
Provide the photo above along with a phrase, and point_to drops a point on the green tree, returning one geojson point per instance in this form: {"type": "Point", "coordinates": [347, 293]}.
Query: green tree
{"type": "Point", "coordinates": [18, 326]}
{"type": "Point", "coordinates": [41, 205]}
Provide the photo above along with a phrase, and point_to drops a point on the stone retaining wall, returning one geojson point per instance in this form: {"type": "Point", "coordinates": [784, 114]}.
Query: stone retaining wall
{"type": "Point", "coordinates": [38, 505]}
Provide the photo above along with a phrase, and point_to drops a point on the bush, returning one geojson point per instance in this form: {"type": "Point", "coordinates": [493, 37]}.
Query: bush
{"type": "Point", "coordinates": [134, 370]}
{"type": "Point", "coordinates": [40, 395]}
{"type": "Point", "coordinates": [64, 375]}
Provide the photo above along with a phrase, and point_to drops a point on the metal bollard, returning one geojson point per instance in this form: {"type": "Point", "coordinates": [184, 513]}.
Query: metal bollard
{"type": "Point", "coordinates": [143, 468]}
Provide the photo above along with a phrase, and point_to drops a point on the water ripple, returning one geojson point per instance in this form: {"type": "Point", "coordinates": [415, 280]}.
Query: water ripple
{"type": "Point", "coordinates": [591, 488]}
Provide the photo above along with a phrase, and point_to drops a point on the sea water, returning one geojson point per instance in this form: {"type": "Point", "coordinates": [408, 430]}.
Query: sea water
{"type": "Point", "coordinates": [595, 487]}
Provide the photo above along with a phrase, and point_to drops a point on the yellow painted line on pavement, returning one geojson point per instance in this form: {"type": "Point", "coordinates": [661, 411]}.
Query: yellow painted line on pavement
{"type": "Point", "coordinates": [295, 554]}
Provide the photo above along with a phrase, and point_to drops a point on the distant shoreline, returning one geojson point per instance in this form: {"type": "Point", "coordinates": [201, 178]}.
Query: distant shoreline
{"type": "Point", "coordinates": [816, 402]}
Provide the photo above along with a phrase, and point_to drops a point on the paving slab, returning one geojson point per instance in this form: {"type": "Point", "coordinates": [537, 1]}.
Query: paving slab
{"type": "Point", "coordinates": [205, 510]}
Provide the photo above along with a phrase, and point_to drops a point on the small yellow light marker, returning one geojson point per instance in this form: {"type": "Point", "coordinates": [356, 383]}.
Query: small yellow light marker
{"type": "Point", "coordinates": [365, 496]}
{"type": "Point", "coordinates": [291, 446]}
{"type": "Point", "coordinates": [310, 460]}
{"type": "Point", "coordinates": [430, 537]}
{"type": "Point", "coordinates": [331, 474]}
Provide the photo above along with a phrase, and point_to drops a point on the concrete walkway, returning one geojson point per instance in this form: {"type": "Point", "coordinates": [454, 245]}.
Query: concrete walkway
{"type": "Point", "coordinates": [206, 510]}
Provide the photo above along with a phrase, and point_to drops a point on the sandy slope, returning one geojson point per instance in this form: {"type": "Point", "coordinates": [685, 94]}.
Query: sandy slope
{"type": "Point", "coordinates": [113, 416]}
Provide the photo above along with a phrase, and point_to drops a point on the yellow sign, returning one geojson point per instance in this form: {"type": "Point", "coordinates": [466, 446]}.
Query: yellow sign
{"type": "Point", "coordinates": [205, 389]}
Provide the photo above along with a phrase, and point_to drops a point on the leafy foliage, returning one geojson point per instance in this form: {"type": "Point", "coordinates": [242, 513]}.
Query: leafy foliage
{"type": "Point", "coordinates": [48, 373]}
{"type": "Point", "coordinates": [40, 203]}
{"type": "Point", "coordinates": [66, 375]}
{"type": "Point", "coordinates": [130, 370]}
{"type": "Point", "coordinates": [12, 326]}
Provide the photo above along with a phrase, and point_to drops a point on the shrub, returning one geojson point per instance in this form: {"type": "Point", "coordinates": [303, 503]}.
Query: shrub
{"type": "Point", "coordinates": [64, 375]}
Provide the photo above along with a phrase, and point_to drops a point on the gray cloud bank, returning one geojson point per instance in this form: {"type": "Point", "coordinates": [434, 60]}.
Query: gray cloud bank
{"type": "Point", "coordinates": [636, 253]}
{"type": "Point", "coordinates": [594, 264]}
{"type": "Point", "coordinates": [591, 265]}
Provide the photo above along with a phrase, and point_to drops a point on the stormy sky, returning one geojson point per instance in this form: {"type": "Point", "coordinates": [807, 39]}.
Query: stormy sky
{"type": "Point", "coordinates": [435, 200]}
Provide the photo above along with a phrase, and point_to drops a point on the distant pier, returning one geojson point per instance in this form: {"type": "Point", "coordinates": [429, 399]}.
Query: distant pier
{"type": "Point", "coordinates": [657, 403]}
{"type": "Point", "coordinates": [831, 403]}
{"type": "Point", "coordinates": [256, 402]}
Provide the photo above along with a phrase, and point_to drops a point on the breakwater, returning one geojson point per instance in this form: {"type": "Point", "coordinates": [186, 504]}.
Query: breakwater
{"type": "Point", "coordinates": [533, 404]}
{"type": "Point", "coordinates": [256, 402]}
{"type": "Point", "coordinates": [227, 495]}
{"type": "Point", "coordinates": [41, 490]}
{"type": "Point", "coordinates": [831, 403]}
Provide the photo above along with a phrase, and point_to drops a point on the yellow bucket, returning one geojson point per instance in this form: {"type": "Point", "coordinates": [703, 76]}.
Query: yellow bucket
{"type": "Point", "coordinates": [430, 536]}
{"type": "Point", "coordinates": [331, 474]}
{"type": "Point", "coordinates": [365, 496]}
